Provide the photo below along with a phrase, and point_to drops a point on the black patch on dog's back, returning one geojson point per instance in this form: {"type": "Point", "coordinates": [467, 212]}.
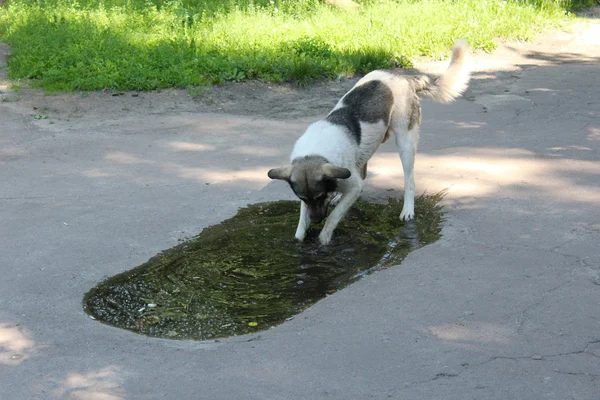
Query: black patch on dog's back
{"type": "Point", "coordinates": [344, 117]}
{"type": "Point", "coordinates": [371, 102]}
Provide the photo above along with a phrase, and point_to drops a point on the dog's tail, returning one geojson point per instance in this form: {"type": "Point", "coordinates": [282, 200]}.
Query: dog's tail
{"type": "Point", "coordinates": [453, 82]}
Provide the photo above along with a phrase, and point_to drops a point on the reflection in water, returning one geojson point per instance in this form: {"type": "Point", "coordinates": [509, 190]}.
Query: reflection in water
{"type": "Point", "coordinates": [248, 273]}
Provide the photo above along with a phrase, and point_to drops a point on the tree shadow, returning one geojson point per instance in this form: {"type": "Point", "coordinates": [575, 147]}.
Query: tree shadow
{"type": "Point", "coordinates": [555, 58]}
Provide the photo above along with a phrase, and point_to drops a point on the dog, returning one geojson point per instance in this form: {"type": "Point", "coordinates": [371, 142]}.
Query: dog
{"type": "Point", "coordinates": [331, 156]}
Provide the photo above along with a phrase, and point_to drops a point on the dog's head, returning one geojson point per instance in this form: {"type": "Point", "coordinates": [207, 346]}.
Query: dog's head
{"type": "Point", "coordinates": [312, 179]}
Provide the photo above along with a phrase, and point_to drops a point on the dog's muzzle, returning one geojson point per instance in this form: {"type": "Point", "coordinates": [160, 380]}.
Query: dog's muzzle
{"type": "Point", "coordinates": [317, 218]}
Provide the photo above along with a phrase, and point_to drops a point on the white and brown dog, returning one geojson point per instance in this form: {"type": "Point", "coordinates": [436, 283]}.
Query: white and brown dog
{"type": "Point", "coordinates": [332, 155]}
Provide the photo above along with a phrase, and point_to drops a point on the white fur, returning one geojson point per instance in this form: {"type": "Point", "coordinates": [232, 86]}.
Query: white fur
{"type": "Point", "coordinates": [323, 138]}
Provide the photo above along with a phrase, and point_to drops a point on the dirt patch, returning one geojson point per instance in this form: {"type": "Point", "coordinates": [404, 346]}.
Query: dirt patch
{"type": "Point", "coordinates": [273, 101]}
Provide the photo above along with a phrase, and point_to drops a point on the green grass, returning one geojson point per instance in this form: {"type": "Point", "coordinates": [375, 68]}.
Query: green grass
{"type": "Point", "coordinates": [580, 4]}
{"type": "Point", "coordinates": [145, 45]}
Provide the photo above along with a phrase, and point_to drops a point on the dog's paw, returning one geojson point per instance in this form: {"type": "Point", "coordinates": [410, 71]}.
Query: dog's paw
{"type": "Point", "coordinates": [336, 199]}
{"type": "Point", "coordinates": [325, 238]}
{"type": "Point", "coordinates": [407, 215]}
{"type": "Point", "coordinates": [300, 234]}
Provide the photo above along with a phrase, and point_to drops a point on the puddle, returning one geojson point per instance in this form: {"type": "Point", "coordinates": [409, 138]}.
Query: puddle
{"type": "Point", "coordinates": [248, 273]}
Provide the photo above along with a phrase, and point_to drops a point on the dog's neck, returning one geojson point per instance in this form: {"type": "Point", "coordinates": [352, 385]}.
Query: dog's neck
{"type": "Point", "coordinates": [310, 160]}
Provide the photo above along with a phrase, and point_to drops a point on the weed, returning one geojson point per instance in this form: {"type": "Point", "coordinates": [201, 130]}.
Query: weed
{"type": "Point", "coordinates": [16, 87]}
{"type": "Point", "coordinates": [195, 91]}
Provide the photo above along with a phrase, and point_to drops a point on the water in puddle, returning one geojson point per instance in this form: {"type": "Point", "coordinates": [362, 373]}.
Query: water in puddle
{"type": "Point", "coordinates": [248, 273]}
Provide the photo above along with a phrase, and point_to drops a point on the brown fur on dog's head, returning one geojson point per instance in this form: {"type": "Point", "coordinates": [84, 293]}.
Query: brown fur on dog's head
{"type": "Point", "coordinates": [312, 179]}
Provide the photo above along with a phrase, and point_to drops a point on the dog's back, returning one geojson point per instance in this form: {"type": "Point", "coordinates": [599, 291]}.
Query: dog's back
{"type": "Point", "coordinates": [366, 112]}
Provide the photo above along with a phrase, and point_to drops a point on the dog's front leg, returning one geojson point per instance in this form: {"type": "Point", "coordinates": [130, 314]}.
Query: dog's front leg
{"type": "Point", "coordinates": [303, 223]}
{"type": "Point", "coordinates": [346, 201]}
{"type": "Point", "coordinates": [336, 199]}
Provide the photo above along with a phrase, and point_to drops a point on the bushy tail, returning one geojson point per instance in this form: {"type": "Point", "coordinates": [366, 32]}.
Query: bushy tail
{"type": "Point", "coordinates": [453, 82]}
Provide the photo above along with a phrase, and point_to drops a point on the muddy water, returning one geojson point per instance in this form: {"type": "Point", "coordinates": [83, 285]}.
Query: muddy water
{"type": "Point", "coordinates": [248, 273]}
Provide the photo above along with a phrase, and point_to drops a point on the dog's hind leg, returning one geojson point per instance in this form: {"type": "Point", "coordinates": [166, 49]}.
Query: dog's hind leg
{"type": "Point", "coordinates": [303, 223]}
{"type": "Point", "coordinates": [407, 142]}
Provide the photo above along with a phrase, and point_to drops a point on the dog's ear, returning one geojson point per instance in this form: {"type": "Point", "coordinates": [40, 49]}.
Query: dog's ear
{"type": "Point", "coordinates": [332, 172]}
{"type": "Point", "coordinates": [282, 173]}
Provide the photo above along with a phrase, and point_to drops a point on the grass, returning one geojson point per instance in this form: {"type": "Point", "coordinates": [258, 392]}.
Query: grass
{"type": "Point", "coordinates": [575, 5]}
{"type": "Point", "coordinates": [144, 45]}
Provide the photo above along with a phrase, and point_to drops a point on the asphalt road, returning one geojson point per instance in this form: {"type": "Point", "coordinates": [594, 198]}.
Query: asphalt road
{"type": "Point", "coordinates": [505, 306]}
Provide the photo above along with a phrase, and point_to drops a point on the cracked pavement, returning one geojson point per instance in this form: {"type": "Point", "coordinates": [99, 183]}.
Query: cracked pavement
{"type": "Point", "coordinates": [505, 306]}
